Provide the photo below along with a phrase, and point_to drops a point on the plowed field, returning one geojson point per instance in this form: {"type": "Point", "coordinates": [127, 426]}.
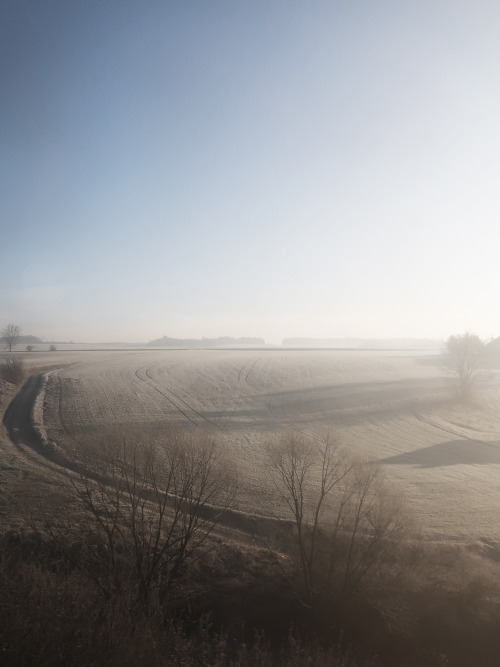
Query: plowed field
{"type": "Point", "coordinates": [394, 407]}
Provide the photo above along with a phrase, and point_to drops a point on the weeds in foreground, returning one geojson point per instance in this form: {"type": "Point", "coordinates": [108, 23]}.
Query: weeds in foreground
{"type": "Point", "coordinates": [12, 369]}
{"type": "Point", "coordinates": [92, 580]}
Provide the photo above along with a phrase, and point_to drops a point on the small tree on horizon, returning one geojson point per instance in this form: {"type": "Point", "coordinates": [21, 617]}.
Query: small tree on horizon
{"type": "Point", "coordinates": [465, 352]}
{"type": "Point", "coordinates": [10, 335]}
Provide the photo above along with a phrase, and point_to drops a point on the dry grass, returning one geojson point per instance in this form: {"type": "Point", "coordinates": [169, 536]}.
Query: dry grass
{"type": "Point", "coordinates": [425, 605]}
{"type": "Point", "coordinates": [238, 610]}
{"type": "Point", "coordinates": [12, 369]}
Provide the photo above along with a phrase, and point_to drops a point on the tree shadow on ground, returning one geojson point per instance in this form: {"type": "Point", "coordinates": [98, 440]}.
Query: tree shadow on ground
{"type": "Point", "coordinates": [343, 404]}
{"type": "Point", "coordinates": [449, 453]}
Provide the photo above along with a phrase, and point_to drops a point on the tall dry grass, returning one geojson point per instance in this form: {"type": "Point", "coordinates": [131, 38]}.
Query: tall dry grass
{"type": "Point", "coordinates": [93, 576]}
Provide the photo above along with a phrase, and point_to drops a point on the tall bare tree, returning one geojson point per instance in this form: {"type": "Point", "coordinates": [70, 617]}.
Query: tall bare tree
{"type": "Point", "coordinates": [10, 335]}
{"type": "Point", "coordinates": [345, 520]}
{"type": "Point", "coordinates": [149, 507]}
{"type": "Point", "coordinates": [465, 353]}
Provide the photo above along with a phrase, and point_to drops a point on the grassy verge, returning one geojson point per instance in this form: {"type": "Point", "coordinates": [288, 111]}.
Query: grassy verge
{"type": "Point", "coordinates": [238, 610]}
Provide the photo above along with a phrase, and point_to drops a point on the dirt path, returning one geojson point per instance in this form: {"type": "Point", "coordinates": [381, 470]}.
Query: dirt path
{"type": "Point", "coordinates": [25, 469]}
{"type": "Point", "coordinates": [18, 416]}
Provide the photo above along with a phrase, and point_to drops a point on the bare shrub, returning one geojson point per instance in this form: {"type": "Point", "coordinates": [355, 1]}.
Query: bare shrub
{"type": "Point", "coordinates": [12, 369]}
{"type": "Point", "coordinates": [51, 616]}
{"type": "Point", "coordinates": [52, 348]}
{"type": "Point", "coordinates": [149, 507]}
{"type": "Point", "coordinates": [346, 521]}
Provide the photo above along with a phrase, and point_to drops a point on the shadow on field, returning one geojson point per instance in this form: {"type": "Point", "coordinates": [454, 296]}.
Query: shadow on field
{"type": "Point", "coordinates": [345, 404]}
{"type": "Point", "coordinates": [449, 453]}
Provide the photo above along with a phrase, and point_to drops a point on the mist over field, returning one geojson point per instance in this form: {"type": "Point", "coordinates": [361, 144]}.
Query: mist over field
{"type": "Point", "coordinates": [393, 407]}
{"type": "Point", "coordinates": [249, 352]}
{"type": "Point", "coordinates": [396, 407]}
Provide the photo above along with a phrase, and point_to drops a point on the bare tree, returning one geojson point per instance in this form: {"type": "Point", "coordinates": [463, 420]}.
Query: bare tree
{"type": "Point", "coordinates": [465, 353]}
{"type": "Point", "coordinates": [10, 335]}
{"type": "Point", "coordinates": [346, 522]}
{"type": "Point", "coordinates": [149, 508]}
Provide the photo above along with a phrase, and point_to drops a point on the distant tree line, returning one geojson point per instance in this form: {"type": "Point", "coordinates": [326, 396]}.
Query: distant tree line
{"type": "Point", "coordinates": [222, 341]}
{"type": "Point", "coordinates": [365, 343]}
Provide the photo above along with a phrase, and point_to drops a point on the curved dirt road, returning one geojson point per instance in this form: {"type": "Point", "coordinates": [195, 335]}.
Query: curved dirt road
{"type": "Point", "coordinates": [18, 416]}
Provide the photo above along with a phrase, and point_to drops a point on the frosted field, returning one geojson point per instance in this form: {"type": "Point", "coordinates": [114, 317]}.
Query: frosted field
{"type": "Point", "coordinates": [393, 407]}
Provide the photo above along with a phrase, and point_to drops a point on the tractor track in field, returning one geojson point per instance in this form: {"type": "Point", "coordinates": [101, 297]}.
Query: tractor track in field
{"type": "Point", "coordinates": [187, 405]}
{"type": "Point", "coordinates": [174, 399]}
{"type": "Point", "coordinates": [159, 391]}
{"type": "Point", "coordinates": [243, 370]}
{"type": "Point", "coordinates": [448, 430]}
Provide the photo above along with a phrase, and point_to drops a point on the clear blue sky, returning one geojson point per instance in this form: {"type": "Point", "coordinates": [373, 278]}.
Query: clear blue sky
{"type": "Point", "coordinates": [274, 168]}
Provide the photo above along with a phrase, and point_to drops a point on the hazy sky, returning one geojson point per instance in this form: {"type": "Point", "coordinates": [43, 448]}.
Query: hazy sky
{"type": "Point", "coordinates": [247, 168]}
